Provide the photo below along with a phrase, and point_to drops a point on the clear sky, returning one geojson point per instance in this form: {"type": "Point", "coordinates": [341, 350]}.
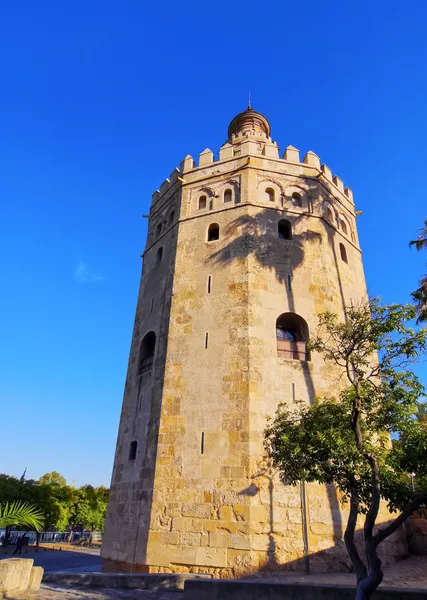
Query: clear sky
{"type": "Point", "coordinates": [100, 101]}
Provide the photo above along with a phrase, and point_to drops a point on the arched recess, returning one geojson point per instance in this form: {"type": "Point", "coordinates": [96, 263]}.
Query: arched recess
{"type": "Point", "coordinates": [292, 335]}
{"type": "Point", "coordinates": [171, 217]}
{"type": "Point", "coordinates": [146, 353]}
{"type": "Point", "coordinates": [295, 197]}
{"type": "Point", "coordinates": [213, 232]}
{"type": "Point", "coordinates": [344, 225]}
{"type": "Point", "coordinates": [202, 199]}
{"type": "Point", "coordinates": [343, 253]}
{"type": "Point", "coordinates": [269, 192]}
{"type": "Point", "coordinates": [328, 212]}
{"type": "Point", "coordinates": [223, 193]}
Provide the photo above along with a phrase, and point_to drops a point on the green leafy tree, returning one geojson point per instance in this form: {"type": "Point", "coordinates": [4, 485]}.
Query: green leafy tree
{"type": "Point", "coordinates": [53, 479]}
{"type": "Point", "coordinates": [55, 498]}
{"type": "Point", "coordinates": [89, 508]}
{"type": "Point", "coordinates": [421, 413]}
{"type": "Point", "coordinates": [347, 440]}
{"type": "Point", "coordinates": [420, 294]}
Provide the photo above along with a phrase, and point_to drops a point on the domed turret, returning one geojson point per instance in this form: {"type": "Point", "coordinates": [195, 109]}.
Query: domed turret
{"type": "Point", "coordinates": [249, 121]}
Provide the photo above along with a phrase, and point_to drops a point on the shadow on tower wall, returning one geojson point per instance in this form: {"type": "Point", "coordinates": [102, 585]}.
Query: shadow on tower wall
{"type": "Point", "coordinates": [259, 238]}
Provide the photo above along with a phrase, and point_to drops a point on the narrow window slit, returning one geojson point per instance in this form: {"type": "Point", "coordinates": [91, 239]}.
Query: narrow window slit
{"type": "Point", "coordinates": [206, 339]}
{"type": "Point", "coordinates": [293, 392]}
{"type": "Point", "coordinates": [209, 284]}
{"type": "Point", "coordinates": [202, 443]}
{"type": "Point", "coordinates": [152, 303]}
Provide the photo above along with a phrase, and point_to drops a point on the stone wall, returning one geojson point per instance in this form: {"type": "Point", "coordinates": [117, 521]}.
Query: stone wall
{"type": "Point", "coordinates": [201, 496]}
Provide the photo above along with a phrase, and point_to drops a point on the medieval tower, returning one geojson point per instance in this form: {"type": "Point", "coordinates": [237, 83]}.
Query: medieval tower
{"type": "Point", "coordinates": [243, 252]}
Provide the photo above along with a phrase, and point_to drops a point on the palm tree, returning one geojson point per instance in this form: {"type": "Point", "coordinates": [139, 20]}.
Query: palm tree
{"type": "Point", "coordinates": [20, 513]}
{"type": "Point", "coordinates": [420, 295]}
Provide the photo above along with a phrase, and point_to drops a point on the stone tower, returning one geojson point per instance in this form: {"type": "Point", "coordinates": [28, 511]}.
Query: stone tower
{"type": "Point", "coordinates": [242, 253]}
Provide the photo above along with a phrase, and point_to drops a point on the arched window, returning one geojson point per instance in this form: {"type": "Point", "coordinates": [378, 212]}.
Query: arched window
{"type": "Point", "coordinates": [213, 232]}
{"type": "Point", "coordinates": [171, 217]}
{"type": "Point", "coordinates": [330, 214]}
{"type": "Point", "coordinates": [344, 227]}
{"type": "Point", "coordinates": [297, 199]}
{"type": "Point", "coordinates": [269, 195]}
{"type": "Point", "coordinates": [292, 337]}
{"type": "Point", "coordinates": [202, 202]}
{"type": "Point", "coordinates": [158, 230]}
{"type": "Point", "coordinates": [228, 195]}
{"type": "Point", "coordinates": [159, 256]}
{"type": "Point", "coordinates": [284, 230]}
{"type": "Point", "coordinates": [132, 450]}
{"type": "Point", "coordinates": [343, 253]}
{"type": "Point", "coordinates": [146, 353]}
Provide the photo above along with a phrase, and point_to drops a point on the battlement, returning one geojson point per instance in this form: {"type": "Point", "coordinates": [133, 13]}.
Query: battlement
{"type": "Point", "coordinates": [252, 147]}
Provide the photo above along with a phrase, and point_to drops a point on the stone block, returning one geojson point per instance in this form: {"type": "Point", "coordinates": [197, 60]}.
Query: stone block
{"type": "Point", "coordinates": [36, 577]}
{"type": "Point", "coordinates": [15, 574]}
{"type": "Point", "coordinates": [211, 557]}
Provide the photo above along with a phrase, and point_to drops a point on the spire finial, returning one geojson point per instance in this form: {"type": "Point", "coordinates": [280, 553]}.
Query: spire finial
{"type": "Point", "coordinates": [249, 99]}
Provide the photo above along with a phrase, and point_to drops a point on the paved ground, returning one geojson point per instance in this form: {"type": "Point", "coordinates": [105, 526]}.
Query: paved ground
{"type": "Point", "coordinates": [53, 592]}
{"type": "Point", "coordinates": [80, 560]}
{"type": "Point", "coordinates": [409, 573]}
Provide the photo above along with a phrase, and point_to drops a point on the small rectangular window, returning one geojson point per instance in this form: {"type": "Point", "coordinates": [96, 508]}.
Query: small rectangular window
{"type": "Point", "coordinates": [202, 443]}
{"type": "Point", "coordinates": [209, 284]}
{"type": "Point", "coordinates": [132, 450]}
{"type": "Point", "coordinates": [206, 339]}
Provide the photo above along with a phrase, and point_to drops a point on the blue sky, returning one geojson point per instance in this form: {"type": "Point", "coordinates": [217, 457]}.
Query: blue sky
{"type": "Point", "coordinates": [99, 103]}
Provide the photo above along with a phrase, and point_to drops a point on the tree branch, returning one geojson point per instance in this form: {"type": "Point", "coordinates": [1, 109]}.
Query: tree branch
{"type": "Point", "coordinates": [411, 507]}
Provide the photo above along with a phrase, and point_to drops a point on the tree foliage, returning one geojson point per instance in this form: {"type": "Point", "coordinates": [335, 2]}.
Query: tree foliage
{"type": "Point", "coordinates": [420, 294]}
{"type": "Point", "coordinates": [60, 506]}
{"type": "Point", "coordinates": [366, 440]}
{"type": "Point", "coordinates": [89, 507]}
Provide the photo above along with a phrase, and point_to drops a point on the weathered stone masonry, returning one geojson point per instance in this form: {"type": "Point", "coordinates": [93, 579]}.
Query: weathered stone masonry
{"type": "Point", "coordinates": [218, 342]}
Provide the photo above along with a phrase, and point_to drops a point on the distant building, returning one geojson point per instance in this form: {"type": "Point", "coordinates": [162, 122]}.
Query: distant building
{"type": "Point", "coordinates": [242, 254]}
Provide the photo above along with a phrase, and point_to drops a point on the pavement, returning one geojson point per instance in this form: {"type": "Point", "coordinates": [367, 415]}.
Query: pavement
{"type": "Point", "coordinates": [56, 592]}
{"type": "Point", "coordinates": [51, 558]}
{"type": "Point", "coordinates": [409, 573]}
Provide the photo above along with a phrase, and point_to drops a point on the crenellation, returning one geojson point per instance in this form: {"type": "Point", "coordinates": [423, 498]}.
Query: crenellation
{"type": "Point", "coordinates": [349, 194]}
{"type": "Point", "coordinates": [206, 158]}
{"type": "Point", "coordinates": [173, 177]}
{"type": "Point", "coordinates": [291, 154]}
{"type": "Point", "coordinates": [271, 150]}
{"type": "Point", "coordinates": [187, 164]}
{"type": "Point", "coordinates": [312, 160]}
{"type": "Point", "coordinates": [326, 172]}
{"type": "Point", "coordinates": [226, 151]}
{"type": "Point", "coordinates": [338, 183]}
{"type": "Point", "coordinates": [165, 186]}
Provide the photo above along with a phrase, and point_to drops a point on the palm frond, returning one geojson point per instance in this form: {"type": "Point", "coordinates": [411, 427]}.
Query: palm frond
{"type": "Point", "coordinates": [21, 513]}
{"type": "Point", "coordinates": [420, 299]}
{"type": "Point", "coordinates": [421, 241]}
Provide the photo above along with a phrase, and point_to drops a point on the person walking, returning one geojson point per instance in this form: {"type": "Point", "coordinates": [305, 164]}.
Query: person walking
{"type": "Point", "coordinates": [18, 548]}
